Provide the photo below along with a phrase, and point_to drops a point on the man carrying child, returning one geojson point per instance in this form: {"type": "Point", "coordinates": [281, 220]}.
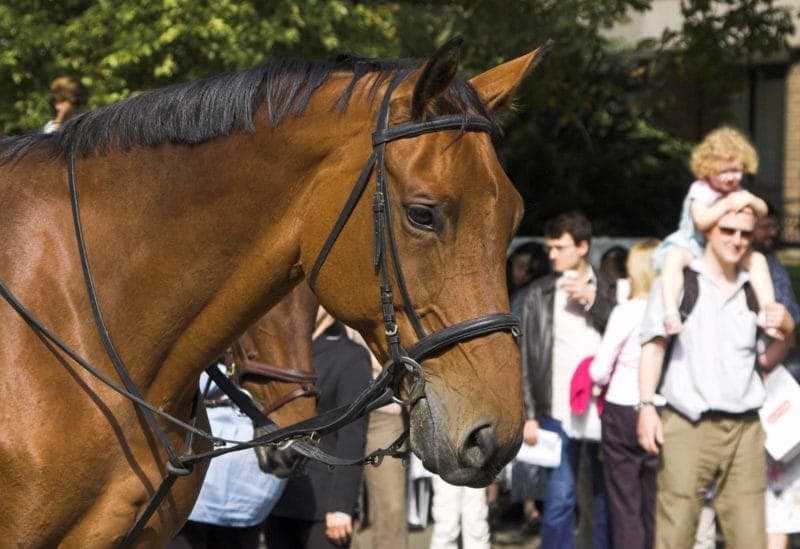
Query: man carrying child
{"type": "Point", "coordinates": [710, 432]}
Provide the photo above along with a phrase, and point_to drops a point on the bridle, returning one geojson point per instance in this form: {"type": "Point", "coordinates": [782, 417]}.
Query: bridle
{"type": "Point", "coordinates": [407, 361]}
{"type": "Point", "coordinates": [242, 363]}
{"type": "Point", "coordinates": [403, 362]}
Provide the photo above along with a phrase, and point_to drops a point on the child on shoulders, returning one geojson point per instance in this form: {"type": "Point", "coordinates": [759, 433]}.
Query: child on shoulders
{"type": "Point", "coordinates": [718, 163]}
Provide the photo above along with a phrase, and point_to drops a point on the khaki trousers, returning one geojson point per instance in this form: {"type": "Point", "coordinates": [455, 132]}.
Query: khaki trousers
{"type": "Point", "coordinates": [728, 451]}
{"type": "Point", "coordinates": [385, 489]}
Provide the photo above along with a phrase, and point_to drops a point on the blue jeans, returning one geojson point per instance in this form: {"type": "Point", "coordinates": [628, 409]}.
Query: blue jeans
{"type": "Point", "coordinates": [558, 519]}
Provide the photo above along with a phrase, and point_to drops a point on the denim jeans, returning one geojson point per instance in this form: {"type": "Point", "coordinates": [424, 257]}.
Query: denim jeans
{"type": "Point", "coordinates": [560, 502]}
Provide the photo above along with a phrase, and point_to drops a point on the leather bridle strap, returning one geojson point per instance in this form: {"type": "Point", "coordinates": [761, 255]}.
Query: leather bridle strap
{"type": "Point", "coordinates": [242, 365]}
{"type": "Point", "coordinates": [352, 200]}
{"type": "Point", "coordinates": [463, 331]}
{"type": "Point", "coordinates": [233, 389]}
{"type": "Point", "coordinates": [300, 392]}
{"type": "Point", "coordinates": [257, 368]}
{"type": "Point", "coordinates": [408, 130]}
{"type": "Point", "coordinates": [175, 466]}
{"type": "Point", "coordinates": [374, 396]}
{"type": "Point", "coordinates": [37, 325]}
{"type": "Point", "coordinates": [238, 397]}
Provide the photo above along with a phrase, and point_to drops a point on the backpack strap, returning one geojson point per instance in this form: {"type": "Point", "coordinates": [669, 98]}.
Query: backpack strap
{"type": "Point", "coordinates": [750, 296]}
{"type": "Point", "coordinates": [691, 290]}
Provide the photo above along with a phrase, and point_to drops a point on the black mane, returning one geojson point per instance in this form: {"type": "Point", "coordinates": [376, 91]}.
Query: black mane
{"type": "Point", "coordinates": [195, 112]}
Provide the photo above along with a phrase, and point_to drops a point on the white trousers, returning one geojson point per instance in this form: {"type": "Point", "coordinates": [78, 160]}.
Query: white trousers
{"type": "Point", "coordinates": [459, 509]}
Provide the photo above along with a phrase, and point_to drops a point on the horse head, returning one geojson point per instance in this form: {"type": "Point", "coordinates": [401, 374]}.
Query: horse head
{"type": "Point", "coordinates": [450, 213]}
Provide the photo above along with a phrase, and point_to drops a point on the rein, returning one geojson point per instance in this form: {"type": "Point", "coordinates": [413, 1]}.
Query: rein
{"type": "Point", "coordinates": [242, 363]}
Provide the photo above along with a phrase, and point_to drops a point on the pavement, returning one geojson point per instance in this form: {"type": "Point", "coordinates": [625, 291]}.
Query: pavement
{"type": "Point", "coordinates": [505, 534]}
{"type": "Point", "coordinates": [501, 539]}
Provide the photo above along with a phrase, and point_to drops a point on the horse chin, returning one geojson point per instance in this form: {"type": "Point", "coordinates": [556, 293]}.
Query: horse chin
{"type": "Point", "coordinates": [429, 441]}
{"type": "Point", "coordinates": [283, 463]}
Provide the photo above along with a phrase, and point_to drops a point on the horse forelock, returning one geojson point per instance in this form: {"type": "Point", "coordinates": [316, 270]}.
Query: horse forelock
{"type": "Point", "coordinates": [198, 111]}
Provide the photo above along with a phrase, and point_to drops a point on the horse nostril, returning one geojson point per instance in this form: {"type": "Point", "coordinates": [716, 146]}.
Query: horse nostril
{"type": "Point", "coordinates": [479, 446]}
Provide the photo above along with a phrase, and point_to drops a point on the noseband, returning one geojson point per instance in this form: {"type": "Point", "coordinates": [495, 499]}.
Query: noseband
{"type": "Point", "coordinates": [427, 344]}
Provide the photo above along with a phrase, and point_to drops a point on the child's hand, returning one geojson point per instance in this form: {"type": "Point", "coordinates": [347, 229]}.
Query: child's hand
{"type": "Point", "coordinates": [672, 322]}
{"type": "Point", "coordinates": [739, 200]}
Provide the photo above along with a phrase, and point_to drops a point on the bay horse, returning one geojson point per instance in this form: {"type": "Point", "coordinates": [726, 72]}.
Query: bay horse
{"type": "Point", "coordinates": [149, 234]}
{"type": "Point", "coordinates": [272, 362]}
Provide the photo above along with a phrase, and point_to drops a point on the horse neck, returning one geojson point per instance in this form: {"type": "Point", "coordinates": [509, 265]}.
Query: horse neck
{"type": "Point", "coordinates": [205, 248]}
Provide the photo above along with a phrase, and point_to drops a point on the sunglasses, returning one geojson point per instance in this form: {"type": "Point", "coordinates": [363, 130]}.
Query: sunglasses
{"type": "Point", "coordinates": [730, 231]}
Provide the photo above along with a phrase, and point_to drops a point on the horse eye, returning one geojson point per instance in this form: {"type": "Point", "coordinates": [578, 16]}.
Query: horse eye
{"type": "Point", "coordinates": [421, 217]}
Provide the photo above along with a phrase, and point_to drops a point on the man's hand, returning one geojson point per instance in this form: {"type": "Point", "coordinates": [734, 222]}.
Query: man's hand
{"type": "Point", "coordinates": [579, 290]}
{"type": "Point", "coordinates": [338, 527]}
{"type": "Point", "coordinates": [648, 430]}
{"type": "Point", "coordinates": [530, 433]}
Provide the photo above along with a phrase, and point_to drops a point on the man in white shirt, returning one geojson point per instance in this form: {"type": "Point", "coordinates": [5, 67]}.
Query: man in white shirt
{"type": "Point", "coordinates": [710, 431]}
{"type": "Point", "coordinates": [563, 318]}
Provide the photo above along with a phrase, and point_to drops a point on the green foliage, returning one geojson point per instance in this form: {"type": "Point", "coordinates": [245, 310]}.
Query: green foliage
{"type": "Point", "coordinates": [583, 135]}
{"type": "Point", "coordinates": [118, 46]}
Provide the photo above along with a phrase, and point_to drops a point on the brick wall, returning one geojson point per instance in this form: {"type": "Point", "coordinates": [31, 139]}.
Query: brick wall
{"type": "Point", "coordinates": [791, 170]}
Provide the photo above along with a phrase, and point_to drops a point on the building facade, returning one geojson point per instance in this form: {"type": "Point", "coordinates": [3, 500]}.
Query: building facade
{"type": "Point", "coordinates": [767, 109]}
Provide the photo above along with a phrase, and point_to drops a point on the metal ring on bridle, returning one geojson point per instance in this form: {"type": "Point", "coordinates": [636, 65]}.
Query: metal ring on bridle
{"type": "Point", "coordinates": [285, 444]}
{"type": "Point", "coordinates": [418, 388]}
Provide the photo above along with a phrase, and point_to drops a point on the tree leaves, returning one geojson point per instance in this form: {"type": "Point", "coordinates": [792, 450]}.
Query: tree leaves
{"type": "Point", "coordinates": [117, 47]}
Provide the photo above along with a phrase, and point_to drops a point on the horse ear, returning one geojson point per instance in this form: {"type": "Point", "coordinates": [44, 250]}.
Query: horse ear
{"type": "Point", "coordinates": [435, 76]}
{"type": "Point", "coordinates": [497, 86]}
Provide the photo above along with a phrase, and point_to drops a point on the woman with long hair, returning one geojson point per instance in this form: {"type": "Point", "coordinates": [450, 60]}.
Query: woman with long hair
{"type": "Point", "coordinates": [630, 472]}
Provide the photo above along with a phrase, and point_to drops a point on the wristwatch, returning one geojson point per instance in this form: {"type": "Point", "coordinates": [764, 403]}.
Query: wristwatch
{"type": "Point", "coordinates": [643, 403]}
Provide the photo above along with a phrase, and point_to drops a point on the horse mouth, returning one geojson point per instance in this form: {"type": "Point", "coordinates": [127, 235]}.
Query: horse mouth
{"type": "Point", "coordinates": [472, 459]}
{"type": "Point", "coordinates": [283, 463]}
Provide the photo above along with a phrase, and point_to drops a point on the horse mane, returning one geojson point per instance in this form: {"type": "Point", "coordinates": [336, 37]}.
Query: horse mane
{"type": "Point", "coordinates": [195, 112]}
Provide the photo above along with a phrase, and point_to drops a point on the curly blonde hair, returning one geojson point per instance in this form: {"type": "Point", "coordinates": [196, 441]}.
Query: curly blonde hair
{"type": "Point", "coordinates": [722, 146]}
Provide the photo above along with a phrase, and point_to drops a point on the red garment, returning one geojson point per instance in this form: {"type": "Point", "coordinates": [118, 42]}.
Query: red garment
{"type": "Point", "coordinates": [580, 389]}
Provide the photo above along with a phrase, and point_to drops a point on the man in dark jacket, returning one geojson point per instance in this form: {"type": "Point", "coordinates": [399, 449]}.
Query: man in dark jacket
{"type": "Point", "coordinates": [563, 318]}
{"type": "Point", "coordinates": [316, 511]}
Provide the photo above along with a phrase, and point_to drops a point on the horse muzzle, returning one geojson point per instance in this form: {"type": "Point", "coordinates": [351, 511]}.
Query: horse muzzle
{"type": "Point", "coordinates": [281, 462]}
{"type": "Point", "coordinates": [470, 455]}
